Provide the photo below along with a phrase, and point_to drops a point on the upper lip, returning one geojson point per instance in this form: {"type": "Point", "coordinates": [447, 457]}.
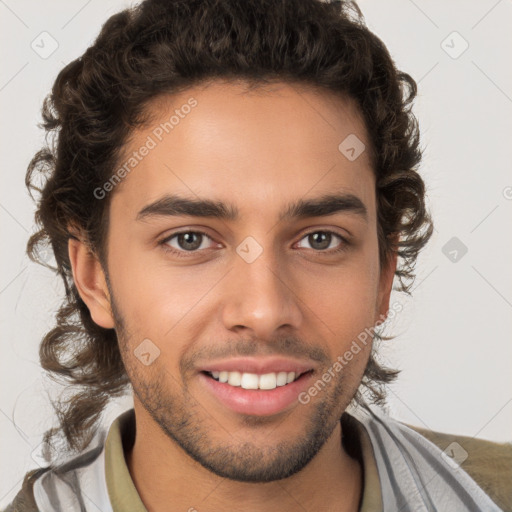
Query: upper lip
{"type": "Point", "coordinates": [259, 365]}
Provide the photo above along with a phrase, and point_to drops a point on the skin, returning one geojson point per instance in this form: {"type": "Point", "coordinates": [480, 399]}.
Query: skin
{"type": "Point", "coordinates": [259, 150]}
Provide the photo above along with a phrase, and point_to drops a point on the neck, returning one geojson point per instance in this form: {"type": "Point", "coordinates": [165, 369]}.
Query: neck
{"type": "Point", "coordinates": [164, 474]}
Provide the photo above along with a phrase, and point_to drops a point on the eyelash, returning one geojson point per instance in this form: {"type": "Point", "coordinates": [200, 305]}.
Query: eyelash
{"type": "Point", "coordinates": [186, 254]}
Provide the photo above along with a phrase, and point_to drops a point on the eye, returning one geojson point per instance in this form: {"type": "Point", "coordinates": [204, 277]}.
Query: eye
{"type": "Point", "coordinates": [321, 240]}
{"type": "Point", "coordinates": [185, 242]}
{"type": "Point", "coordinates": [188, 243]}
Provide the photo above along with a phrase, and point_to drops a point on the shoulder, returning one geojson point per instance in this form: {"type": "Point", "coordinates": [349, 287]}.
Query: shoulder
{"type": "Point", "coordinates": [488, 463]}
{"type": "Point", "coordinates": [24, 501]}
{"type": "Point", "coordinates": [63, 486]}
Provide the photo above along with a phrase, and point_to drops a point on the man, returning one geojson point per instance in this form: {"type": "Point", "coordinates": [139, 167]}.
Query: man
{"type": "Point", "coordinates": [232, 192]}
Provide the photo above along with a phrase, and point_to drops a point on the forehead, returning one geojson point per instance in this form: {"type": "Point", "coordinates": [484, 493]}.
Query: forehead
{"type": "Point", "coordinates": [258, 148]}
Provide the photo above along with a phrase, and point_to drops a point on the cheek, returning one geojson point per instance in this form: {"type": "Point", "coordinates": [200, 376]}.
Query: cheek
{"type": "Point", "coordinates": [344, 308]}
{"type": "Point", "coordinates": [159, 301]}
{"type": "Point", "coordinates": [346, 294]}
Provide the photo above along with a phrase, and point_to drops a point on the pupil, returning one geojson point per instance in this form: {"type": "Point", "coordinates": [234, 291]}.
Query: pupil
{"type": "Point", "coordinates": [321, 234]}
{"type": "Point", "coordinates": [185, 241]}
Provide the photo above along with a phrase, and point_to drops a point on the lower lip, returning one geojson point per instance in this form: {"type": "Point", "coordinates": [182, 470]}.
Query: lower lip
{"type": "Point", "coordinates": [257, 402]}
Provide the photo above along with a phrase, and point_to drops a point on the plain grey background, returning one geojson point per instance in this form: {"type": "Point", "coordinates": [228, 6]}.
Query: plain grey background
{"type": "Point", "coordinates": [454, 334]}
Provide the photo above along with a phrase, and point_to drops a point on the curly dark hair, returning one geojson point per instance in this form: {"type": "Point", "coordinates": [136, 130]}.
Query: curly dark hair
{"type": "Point", "coordinates": [162, 47]}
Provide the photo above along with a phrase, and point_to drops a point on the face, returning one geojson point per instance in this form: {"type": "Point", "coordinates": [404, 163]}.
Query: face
{"type": "Point", "coordinates": [264, 279]}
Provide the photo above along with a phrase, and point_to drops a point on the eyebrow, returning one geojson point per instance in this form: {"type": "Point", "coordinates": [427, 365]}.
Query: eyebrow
{"type": "Point", "coordinates": [329, 204]}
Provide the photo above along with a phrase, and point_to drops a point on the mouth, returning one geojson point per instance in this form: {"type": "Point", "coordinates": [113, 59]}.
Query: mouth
{"type": "Point", "coordinates": [255, 394]}
{"type": "Point", "coordinates": [246, 380]}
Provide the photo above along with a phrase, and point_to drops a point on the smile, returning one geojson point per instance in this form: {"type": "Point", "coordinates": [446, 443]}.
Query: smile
{"type": "Point", "coordinates": [246, 380]}
{"type": "Point", "coordinates": [253, 394]}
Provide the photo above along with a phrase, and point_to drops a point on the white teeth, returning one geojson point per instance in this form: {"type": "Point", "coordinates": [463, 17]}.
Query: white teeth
{"type": "Point", "coordinates": [281, 378]}
{"type": "Point", "coordinates": [249, 381]}
{"type": "Point", "coordinates": [268, 381]}
{"type": "Point", "coordinates": [253, 380]}
{"type": "Point", "coordinates": [234, 378]}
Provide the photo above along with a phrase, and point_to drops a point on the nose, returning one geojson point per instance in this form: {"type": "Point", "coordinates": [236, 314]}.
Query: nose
{"type": "Point", "coordinates": [261, 297]}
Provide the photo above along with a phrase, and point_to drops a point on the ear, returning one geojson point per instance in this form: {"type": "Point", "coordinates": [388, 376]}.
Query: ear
{"type": "Point", "coordinates": [90, 282]}
{"type": "Point", "coordinates": [387, 275]}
